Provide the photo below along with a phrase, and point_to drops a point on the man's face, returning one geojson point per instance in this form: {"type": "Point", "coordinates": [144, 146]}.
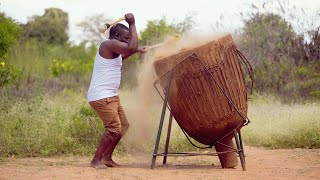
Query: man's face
{"type": "Point", "coordinates": [123, 36]}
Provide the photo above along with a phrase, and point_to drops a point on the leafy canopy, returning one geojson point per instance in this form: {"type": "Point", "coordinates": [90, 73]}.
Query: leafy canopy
{"type": "Point", "coordinates": [9, 33]}
{"type": "Point", "coordinates": [51, 28]}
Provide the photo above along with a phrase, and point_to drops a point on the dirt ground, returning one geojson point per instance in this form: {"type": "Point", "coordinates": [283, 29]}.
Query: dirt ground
{"type": "Point", "coordinates": [261, 164]}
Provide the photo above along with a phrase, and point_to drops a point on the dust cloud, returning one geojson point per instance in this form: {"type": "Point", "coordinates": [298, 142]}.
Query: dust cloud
{"type": "Point", "coordinates": [145, 107]}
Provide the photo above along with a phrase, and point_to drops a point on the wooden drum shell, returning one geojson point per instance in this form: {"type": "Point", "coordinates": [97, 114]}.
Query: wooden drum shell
{"type": "Point", "coordinates": [196, 101]}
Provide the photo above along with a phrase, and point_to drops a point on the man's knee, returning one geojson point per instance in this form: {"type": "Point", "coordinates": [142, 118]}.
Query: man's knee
{"type": "Point", "coordinates": [124, 128]}
{"type": "Point", "coordinates": [113, 130]}
{"type": "Point", "coordinates": [113, 135]}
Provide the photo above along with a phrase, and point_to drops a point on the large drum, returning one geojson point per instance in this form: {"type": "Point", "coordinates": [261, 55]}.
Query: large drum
{"type": "Point", "coordinates": [203, 79]}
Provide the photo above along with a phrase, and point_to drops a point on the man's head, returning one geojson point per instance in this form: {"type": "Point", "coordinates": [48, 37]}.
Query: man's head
{"type": "Point", "coordinates": [119, 32]}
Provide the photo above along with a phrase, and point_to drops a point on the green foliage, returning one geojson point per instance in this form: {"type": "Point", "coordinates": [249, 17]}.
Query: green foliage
{"type": "Point", "coordinates": [303, 89]}
{"type": "Point", "coordinates": [79, 63]}
{"type": "Point", "coordinates": [50, 28]}
{"type": "Point", "coordinates": [157, 30]}
{"type": "Point", "coordinates": [39, 59]}
{"type": "Point", "coordinates": [315, 94]}
{"type": "Point", "coordinates": [8, 74]}
{"type": "Point", "coordinates": [37, 125]}
{"type": "Point", "coordinates": [9, 33]}
{"type": "Point", "coordinates": [281, 59]}
{"type": "Point", "coordinates": [59, 68]}
{"type": "Point", "coordinates": [42, 124]}
{"type": "Point", "coordinates": [48, 116]}
{"type": "Point", "coordinates": [266, 36]}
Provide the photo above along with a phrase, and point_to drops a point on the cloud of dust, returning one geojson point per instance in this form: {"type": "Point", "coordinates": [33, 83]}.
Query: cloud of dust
{"type": "Point", "coordinates": [148, 102]}
{"type": "Point", "coordinates": [146, 72]}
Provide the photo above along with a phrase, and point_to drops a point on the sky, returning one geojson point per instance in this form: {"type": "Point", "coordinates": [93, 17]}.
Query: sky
{"type": "Point", "coordinates": [205, 12]}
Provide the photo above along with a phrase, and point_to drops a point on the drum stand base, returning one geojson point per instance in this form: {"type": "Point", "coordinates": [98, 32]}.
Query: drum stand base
{"type": "Point", "coordinates": [237, 135]}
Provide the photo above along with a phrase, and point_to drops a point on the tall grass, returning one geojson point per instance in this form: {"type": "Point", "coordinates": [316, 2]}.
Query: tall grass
{"type": "Point", "coordinates": [42, 123]}
{"type": "Point", "coordinates": [36, 59]}
{"type": "Point", "coordinates": [278, 125]}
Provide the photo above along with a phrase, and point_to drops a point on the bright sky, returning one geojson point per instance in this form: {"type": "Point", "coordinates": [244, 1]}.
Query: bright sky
{"type": "Point", "coordinates": [206, 12]}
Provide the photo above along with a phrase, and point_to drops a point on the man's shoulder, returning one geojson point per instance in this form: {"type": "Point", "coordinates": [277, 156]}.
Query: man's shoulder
{"type": "Point", "coordinates": [106, 48]}
{"type": "Point", "coordinates": [108, 42]}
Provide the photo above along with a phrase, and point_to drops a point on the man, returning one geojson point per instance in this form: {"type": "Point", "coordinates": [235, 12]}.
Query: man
{"type": "Point", "coordinates": [105, 82]}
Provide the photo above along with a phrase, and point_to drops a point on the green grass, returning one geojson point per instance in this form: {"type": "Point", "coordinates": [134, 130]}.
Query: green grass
{"type": "Point", "coordinates": [38, 122]}
{"type": "Point", "coordinates": [44, 124]}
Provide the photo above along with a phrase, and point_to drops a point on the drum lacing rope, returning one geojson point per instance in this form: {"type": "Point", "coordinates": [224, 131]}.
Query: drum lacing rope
{"type": "Point", "coordinates": [247, 64]}
{"type": "Point", "coordinates": [204, 147]}
{"type": "Point", "coordinates": [246, 120]}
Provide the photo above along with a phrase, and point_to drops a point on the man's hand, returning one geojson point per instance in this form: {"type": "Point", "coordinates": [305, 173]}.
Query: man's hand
{"type": "Point", "coordinates": [130, 18]}
{"type": "Point", "coordinates": [142, 49]}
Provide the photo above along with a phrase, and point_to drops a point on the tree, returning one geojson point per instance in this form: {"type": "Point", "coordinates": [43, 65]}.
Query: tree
{"type": "Point", "coordinates": [52, 27]}
{"type": "Point", "coordinates": [307, 52]}
{"type": "Point", "coordinates": [267, 39]}
{"type": "Point", "coordinates": [267, 36]}
{"type": "Point", "coordinates": [156, 31]}
{"type": "Point", "coordinates": [185, 25]}
{"type": "Point", "coordinates": [9, 33]}
{"type": "Point", "coordinates": [90, 30]}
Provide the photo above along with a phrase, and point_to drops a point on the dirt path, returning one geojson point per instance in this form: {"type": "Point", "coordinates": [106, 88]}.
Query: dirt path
{"type": "Point", "coordinates": [261, 164]}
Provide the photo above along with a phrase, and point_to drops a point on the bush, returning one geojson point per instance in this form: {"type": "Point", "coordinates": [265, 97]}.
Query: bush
{"type": "Point", "coordinates": [59, 68]}
{"type": "Point", "coordinates": [9, 33]}
{"type": "Point", "coordinates": [41, 60]}
{"type": "Point", "coordinates": [41, 126]}
{"type": "Point", "coordinates": [8, 74]}
{"type": "Point", "coordinates": [283, 62]}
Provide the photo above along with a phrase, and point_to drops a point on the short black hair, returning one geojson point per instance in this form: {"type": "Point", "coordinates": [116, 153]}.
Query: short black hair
{"type": "Point", "coordinates": [117, 29]}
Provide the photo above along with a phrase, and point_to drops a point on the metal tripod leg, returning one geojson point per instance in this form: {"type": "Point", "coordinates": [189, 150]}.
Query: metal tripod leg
{"type": "Point", "coordinates": [240, 149]}
{"type": "Point", "coordinates": [164, 107]}
{"type": "Point", "coordinates": [167, 141]}
{"type": "Point", "coordinates": [241, 145]}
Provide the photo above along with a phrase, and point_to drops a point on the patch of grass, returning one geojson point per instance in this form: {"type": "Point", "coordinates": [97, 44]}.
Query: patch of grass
{"type": "Point", "coordinates": [277, 125]}
{"type": "Point", "coordinates": [46, 124]}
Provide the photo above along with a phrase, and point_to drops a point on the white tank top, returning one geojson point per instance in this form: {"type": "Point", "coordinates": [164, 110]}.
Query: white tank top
{"type": "Point", "coordinates": [106, 77]}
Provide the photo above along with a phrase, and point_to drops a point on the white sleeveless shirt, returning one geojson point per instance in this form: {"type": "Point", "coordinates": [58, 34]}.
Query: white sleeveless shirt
{"type": "Point", "coordinates": [106, 77]}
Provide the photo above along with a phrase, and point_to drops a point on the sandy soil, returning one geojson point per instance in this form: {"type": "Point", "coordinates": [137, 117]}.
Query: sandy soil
{"type": "Point", "coordinates": [261, 164]}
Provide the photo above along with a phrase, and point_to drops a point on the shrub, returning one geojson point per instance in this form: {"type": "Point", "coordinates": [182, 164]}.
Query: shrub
{"type": "Point", "coordinates": [8, 74]}
{"type": "Point", "coordinates": [9, 33]}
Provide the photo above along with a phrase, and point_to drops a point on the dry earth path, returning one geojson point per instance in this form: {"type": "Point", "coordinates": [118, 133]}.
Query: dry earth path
{"type": "Point", "coordinates": [261, 164]}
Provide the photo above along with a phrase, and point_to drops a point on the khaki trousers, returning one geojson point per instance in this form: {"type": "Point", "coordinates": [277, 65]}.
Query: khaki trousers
{"type": "Point", "coordinates": [112, 115]}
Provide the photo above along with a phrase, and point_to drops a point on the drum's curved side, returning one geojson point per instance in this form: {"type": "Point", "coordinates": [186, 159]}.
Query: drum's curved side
{"type": "Point", "coordinates": [196, 97]}
{"type": "Point", "coordinates": [202, 78]}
